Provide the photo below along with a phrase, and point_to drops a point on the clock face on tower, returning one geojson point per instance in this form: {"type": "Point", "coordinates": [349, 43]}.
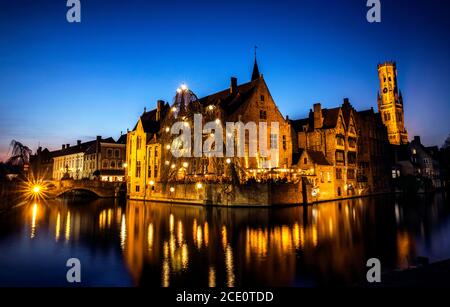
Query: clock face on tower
{"type": "Point", "coordinates": [385, 90]}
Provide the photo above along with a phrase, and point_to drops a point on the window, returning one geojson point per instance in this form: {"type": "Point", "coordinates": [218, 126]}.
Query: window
{"type": "Point", "coordinates": [262, 114]}
{"type": "Point", "coordinates": [109, 153]}
{"type": "Point", "coordinates": [149, 170]}
{"type": "Point", "coordinates": [113, 164]}
{"type": "Point", "coordinates": [155, 171]}
{"type": "Point", "coordinates": [156, 152]}
{"type": "Point", "coordinates": [105, 164]}
{"type": "Point", "coordinates": [284, 142]}
{"type": "Point", "coordinates": [339, 140]}
{"type": "Point", "coordinates": [339, 156]}
{"type": "Point", "coordinates": [138, 168]}
{"type": "Point", "coordinates": [117, 153]}
{"type": "Point", "coordinates": [305, 160]}
{"type": "Point", "coordinates": [138, 188]}
{"type": "Point", "coordinates": [351, 174]}
{"type": "Point", "coordinates": [351, 156]}
{"type": "Point", "coordinates": [262, 97]}
{"type": "Point", "coordinates": [351, 142]}
{"type": "Point", "coordinates": [138, 143]}
{"type": "Point", "coordinates": [338, 173]}
{"type": "Point", "coordinates": [119, 164]}
{"type": "Point", "coordinates": [328, 176]}
{"type": "Point", "coordinates": [273, 141]}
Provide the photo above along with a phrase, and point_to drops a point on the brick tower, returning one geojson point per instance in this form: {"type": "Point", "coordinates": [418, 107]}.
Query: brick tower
{"type": "Point", "coordinates": [390, 104]}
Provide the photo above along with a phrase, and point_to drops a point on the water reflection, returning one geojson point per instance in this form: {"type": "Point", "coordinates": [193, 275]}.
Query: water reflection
{"type": "Point", "coordinates": [165, 245]}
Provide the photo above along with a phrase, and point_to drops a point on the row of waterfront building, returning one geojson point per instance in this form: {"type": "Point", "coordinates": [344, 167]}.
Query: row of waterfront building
{"type": "Point", "coordinates": [333, 153]}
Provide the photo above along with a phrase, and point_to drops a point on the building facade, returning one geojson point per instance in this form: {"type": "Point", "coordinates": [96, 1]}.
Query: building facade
{"type": "Point", "coordinates": [99, 159]}
{"type": "Point", "coordinates": [152, 165]}
{"type": "Point", "coordinates": [105, 159]}
{"type": "Point", "coordinates": [336, 137]}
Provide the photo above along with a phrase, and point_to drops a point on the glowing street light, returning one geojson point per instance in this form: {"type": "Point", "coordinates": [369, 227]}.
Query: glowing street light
{"type": "Point", "coordinates": [185, 164]}
{"type": "Point", "coordinates": [36, 189]}
{"type": "Point", "coordinates": [199, 185]}
{"type": "Point", "coordinates": [228, 160]}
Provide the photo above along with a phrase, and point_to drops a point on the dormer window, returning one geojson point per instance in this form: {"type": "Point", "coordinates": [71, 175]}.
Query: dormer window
{"type": "Point", "coordinates": [262, 97]}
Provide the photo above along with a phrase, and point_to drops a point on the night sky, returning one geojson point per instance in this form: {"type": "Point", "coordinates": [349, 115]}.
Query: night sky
{"type": "Point", "coordinates": [60, 82]}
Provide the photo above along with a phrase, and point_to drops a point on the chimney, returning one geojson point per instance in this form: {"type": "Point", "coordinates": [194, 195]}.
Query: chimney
{"type": "Point", "coordinates": [67, 145]}
{"type": "Point", "coordinates": [233, 85]}
{"type": "Point", "coordinates": [78, 142]}
{"type": "Point", "coordinates": [346, 101]}
{"type": "Point", "coordinates": [63, 146]}
{"type": "Point", "coordinates": [39, 150]}
{"type": "Point", "coordinates": [99, 137]}
{"type": "Point", "coordinates": [159, 107]}
{"type": "Point", "coordinates": [318, 120]}
{"type": "Point", "coordinates": [417, 139]}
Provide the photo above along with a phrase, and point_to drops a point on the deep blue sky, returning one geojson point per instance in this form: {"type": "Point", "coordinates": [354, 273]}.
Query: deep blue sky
{"type": "Point", "coordinates": [60, 82]}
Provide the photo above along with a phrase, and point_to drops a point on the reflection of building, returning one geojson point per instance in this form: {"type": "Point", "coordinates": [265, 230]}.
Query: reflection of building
{"type": "Point", "coordinates": [390, 104]}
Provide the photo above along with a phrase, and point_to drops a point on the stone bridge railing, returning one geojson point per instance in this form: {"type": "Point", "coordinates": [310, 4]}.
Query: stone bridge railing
{"type": "Point", "coordinates": [100, 188]}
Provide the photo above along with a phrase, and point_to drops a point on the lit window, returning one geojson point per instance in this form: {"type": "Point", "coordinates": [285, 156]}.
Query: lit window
{"type": "Point", "coordinates": [273, 141]}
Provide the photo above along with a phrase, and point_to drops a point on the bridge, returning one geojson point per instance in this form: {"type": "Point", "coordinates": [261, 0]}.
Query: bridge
{"type": "Point", "coordinates": [99, 188]}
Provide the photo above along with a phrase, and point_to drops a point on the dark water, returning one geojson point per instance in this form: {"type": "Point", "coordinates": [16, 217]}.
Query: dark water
{"type": "Point", "coordinates": [133, 243]}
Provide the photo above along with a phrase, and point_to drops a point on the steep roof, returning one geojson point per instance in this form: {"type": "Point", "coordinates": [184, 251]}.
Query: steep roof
{"type": "Point", "coordinates": [122, 139]}
{"type": "Point", "coordinates": [150, 124]}
{"type": "Point", "coordinates": [73, 149]}
{"type": "Point", "coordinates": [231, 101]}
{"type": "Point", "coordinates": [330, 117]}
{"type": "Point", "coordinates": [255, 73]}
{"type": "Point", "coordinates": [317, 157]}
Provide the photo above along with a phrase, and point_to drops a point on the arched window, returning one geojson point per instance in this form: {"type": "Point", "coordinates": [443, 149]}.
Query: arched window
{"type": "Point", "coordinates": [113, 164]}
{"type": "Point", "coordinates": [105, 164]}
{"type": "Point", "coordinates": [117, 153]}
{"type": "Point", "coordinates": [109, 153]}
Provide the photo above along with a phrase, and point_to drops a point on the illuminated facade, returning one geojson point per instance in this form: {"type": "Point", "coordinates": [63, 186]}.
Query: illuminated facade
{"type": "Point", "coordinates": [390, 104]}
{"type": "Point", "coordinates": [333, 133]}
{"type": "Point", "coordinates": [101, 158]}
{"type": "Point", "coordinates": [151, 165]}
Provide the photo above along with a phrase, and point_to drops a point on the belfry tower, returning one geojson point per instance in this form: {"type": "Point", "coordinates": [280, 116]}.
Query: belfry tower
{"type": "Point", "coordinates": [390, 104]}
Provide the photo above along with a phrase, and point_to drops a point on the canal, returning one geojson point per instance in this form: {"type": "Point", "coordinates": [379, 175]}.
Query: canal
{"type": "Point", "coordinates": [137, 244]}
